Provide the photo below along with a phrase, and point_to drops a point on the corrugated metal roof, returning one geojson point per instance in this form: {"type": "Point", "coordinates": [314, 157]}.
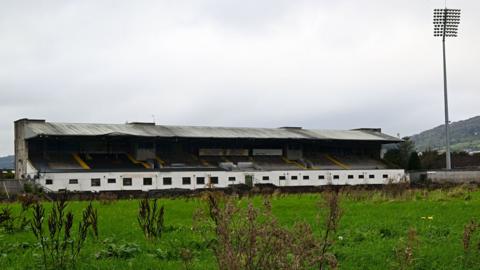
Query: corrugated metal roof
{"type": "Point", "coordinates": [39, 128]}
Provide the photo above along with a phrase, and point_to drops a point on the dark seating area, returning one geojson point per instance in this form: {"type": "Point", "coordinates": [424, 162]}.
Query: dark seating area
{"type": "Point", "coordinates": [39, 163]}
{"type": "Point", "coordinates": [122, 161]}
{"type": "Point", "coordinates": [180, 159]}
{"type": "Point", "coordinates": [236, 159]}
{"type": "Point", "coordinates": [360, 162]}
{"type": "Point", "coordinates": [55, 161]}
{"type": "Point", "coordinates": [212, 160]}
{"type": "Point", "coordinates": [275, 163]}
{"type": "Point", "coordinates": [109, 161]}
{"type": "Point", "coordinates": [319, 161]}
{"type": "Point", "coordinates": [328, 161]}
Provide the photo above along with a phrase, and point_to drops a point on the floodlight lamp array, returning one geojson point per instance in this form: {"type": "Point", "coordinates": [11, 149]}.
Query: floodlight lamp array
{"type": "Point", "coordinates": [445, 22]}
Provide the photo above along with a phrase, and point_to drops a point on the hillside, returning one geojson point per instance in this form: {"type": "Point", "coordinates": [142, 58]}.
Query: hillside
{"type": "Point", "coordinates": [7, 162]}
{"type": "Point", "coordinates": [464, 136]}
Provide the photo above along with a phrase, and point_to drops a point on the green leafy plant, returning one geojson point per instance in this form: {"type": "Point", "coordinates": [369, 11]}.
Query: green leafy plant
{"type": "Point", "coordinates": [118, 251]}
{"type": "Point", "coordinates": [18, 247]}
{"type": "Point", "coordinates": [11, 223]}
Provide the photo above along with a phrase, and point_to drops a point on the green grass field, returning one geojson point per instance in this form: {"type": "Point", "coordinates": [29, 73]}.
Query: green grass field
{"type": "Point", "coordinates": [370, 231]}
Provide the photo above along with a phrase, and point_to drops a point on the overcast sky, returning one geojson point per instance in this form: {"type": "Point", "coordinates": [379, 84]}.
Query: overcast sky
{"type": "Point", "coordinates": [252, 63]}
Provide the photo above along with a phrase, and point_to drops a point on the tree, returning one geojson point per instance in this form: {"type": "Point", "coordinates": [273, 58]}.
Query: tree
{"type": "Point", "coordinates": [414, 162]}
{"type": "Point", "coordinates": [392, 157]}
{"type": "Point", "coordinates": [431, 159]}
{"type": "Point", "coordinates": [400, 155]}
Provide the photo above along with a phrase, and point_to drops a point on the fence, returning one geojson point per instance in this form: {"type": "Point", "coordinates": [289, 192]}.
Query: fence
{"type": "Point", "coordinates": [446, 177]}
{"type": "Point", "coordinates": [10, 187]}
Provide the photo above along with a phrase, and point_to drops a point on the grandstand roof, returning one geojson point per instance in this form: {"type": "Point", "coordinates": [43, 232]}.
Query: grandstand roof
{"type": "Point", "coordinates": [38, 128]}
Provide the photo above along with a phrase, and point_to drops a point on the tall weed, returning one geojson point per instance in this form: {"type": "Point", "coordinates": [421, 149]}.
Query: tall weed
{"type": "Point", "coordinates": [150, 218]}
{"type": "Point", "coordinates": [406, 251]}
{"type": "Point", "coordinates": [251, 237]}
{"type": "Point", "coordinates": [471, 245]}
{"type": "Point", "coordinates": [60, 249]}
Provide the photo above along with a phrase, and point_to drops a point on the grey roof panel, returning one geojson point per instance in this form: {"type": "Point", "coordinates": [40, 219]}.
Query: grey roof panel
{"type": "Point", "coordinates": [36, 128]}
{"type": "Point", "coordinates": [346, 135]}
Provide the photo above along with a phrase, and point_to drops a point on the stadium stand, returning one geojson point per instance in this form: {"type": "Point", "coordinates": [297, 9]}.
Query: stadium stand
{"type": "Point", "coordinates": [145, 156]}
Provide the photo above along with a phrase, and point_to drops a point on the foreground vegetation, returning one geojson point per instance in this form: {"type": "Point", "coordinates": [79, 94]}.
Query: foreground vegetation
{"type": "Point", "coordinates": [388, 229]}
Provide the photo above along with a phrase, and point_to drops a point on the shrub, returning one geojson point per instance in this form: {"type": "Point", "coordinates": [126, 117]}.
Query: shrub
{"type": "Point", "coordinates": [31, 188]}
{"type": "Point", "coordinates": [27, 187]}
{"type": "Point", "coordinates": [27, 200]}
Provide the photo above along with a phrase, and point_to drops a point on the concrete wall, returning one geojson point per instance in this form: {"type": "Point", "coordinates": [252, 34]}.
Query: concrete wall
{"type": "Point", "coordinates": [58, 181]}
{"type": "Point", "coordinates": [21, 149]}
{"type": "Point", "coordinates": [23, 166]}
{"type": "Point", "coordinates": [441, 177]}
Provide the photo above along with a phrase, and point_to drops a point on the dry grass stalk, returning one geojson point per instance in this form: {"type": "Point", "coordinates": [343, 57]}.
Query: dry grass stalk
{"type": "Point", "coordinates": [332, 205]}
{"type": "Point", "coordinates": [469, 249]}
{"type": "Point", "coordinates": [406, 252]}
{"type": "Point", "coordinates": [396, 190]}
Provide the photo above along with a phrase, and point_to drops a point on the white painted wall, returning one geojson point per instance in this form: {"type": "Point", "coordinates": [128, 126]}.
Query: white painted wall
{"type": "Point", "coordinates": [30, 169]}
{"type": "Point", "coordinates": [331, 177]}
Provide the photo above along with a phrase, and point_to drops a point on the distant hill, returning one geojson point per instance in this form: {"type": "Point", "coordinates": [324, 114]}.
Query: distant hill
{"type": "Point", "coordinates": [464, 136]}
{"type": "Point", "coordinates": [7, 162]}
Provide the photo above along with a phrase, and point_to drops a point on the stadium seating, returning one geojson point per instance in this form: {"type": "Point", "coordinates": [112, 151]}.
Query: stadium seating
{"type": "Point", "coordinates": [181, 160]}
{"type": "Point", "coordinates": [56, 161]}
{"type": "Point", "coordinates": [360, 162]}
{"type": "Point", "coordinates": [110, 161]}
{"type": "Point", "coordinates": [327, 161]}
{"type": "Point", "coordinates": [103, 161]}
{"type": "Point", "coordinates": [275, 163]}
{"type": "Point", "coordinates": [321, 161]}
